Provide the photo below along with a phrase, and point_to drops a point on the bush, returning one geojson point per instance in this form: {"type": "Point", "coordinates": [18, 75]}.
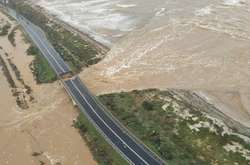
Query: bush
{"type": "Point", "coordinates": [167, 133]}
{"type": "Point", "coordinates": [11, 36]}
{"type": "Point", "coordinates": [32, 50]}
{"type": "Point", "coordinates": [5, 30]}
{"type": "Point", "coordinates": [42, 70]}
{"type": "Point", "coordinates": [148, 105]}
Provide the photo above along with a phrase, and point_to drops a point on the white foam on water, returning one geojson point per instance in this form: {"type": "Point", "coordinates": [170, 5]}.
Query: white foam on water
{"type": "Point", "coordinates": [126, 5]}
{"type": "Point", "coordinates": [160, 12]}
{"type": "Point", "coordinates": [233, 2]}
{"type": "Point", "coordinates": [203, 11]}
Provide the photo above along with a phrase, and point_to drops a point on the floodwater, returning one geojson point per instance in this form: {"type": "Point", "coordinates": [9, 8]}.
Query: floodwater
{"type": "Point", "coordinates": [46, 126]}
{"type": "Point", "coordinates": [105, 20]}
{"type": "Point", "coordinates": [108, 21]}
{"type": "Point", "coordinates": [196, 45]}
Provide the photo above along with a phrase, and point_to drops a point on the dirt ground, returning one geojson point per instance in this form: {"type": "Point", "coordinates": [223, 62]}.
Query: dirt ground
{"type": "Point", "coordinates": [43, 132]}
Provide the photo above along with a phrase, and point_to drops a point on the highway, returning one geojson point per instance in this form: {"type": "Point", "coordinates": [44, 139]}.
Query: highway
{"type": "Point", "coordinates": [132, 150]}
{"type": "Point", "coordinates": [47, 50]}
{"type": "Point", "coordinates": [135, 153]}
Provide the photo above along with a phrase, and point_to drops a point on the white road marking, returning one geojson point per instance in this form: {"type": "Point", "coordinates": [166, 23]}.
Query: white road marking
{"type": "Point", "coordinates": [38, 45]}
{"type": "Point", "coordinates": [106, 123]}
{"type": "Point", "coordinates": [47, 50]}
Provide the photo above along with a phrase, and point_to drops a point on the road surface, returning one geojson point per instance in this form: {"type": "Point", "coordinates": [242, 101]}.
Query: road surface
{"type": "Point", "coordinates": [40, 40]}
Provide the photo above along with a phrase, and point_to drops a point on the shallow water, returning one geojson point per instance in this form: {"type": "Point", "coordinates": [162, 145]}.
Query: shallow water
{"type": "Point", "coordinates": [108, 21]}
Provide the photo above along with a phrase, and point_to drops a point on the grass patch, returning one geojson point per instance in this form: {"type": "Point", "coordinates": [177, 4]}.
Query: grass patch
{"type": "Point", "coordinates": [167, 133]}
{"type": "Point", "coordinates": [103, 153]}
{"type": "Point", "coordinates": [32, 50]}
{"type": "Point", "coordinates": [42, 71]}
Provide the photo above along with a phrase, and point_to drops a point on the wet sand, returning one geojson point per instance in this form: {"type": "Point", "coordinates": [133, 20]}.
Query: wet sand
{"type": "Point", "coordinates": [45, 127]}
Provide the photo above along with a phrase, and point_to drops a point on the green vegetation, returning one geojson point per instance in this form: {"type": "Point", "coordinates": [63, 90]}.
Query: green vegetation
{"type": "Point", "coordinates": [103, 153]}
{"type": "Point", "coordinates": [5, 29]}
{"type": "Point", "coordinates": [11, 36]}
{"type": "Point", "coordinates": [73, 49]}
{"type": "Point", "coordinates": [168, 133]}
{"type": "Point", "coordinates": [41, 68]}
{"type": "Point", "coordinates": [32, 50]}
{"type": "Point", "coordinates": [7, 73]}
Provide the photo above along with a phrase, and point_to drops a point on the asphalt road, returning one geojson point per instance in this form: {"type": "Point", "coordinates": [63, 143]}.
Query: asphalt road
{"type": "Point", "coordinates": [130, 148]}
{"type": "Point", "coordinates": [135, 152]}
{"type": "Point", "coordinates": [40, 40]}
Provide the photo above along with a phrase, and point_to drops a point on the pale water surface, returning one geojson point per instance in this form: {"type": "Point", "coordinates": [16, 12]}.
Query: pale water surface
{"type": "Point", "coordinates": [109, 20]}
